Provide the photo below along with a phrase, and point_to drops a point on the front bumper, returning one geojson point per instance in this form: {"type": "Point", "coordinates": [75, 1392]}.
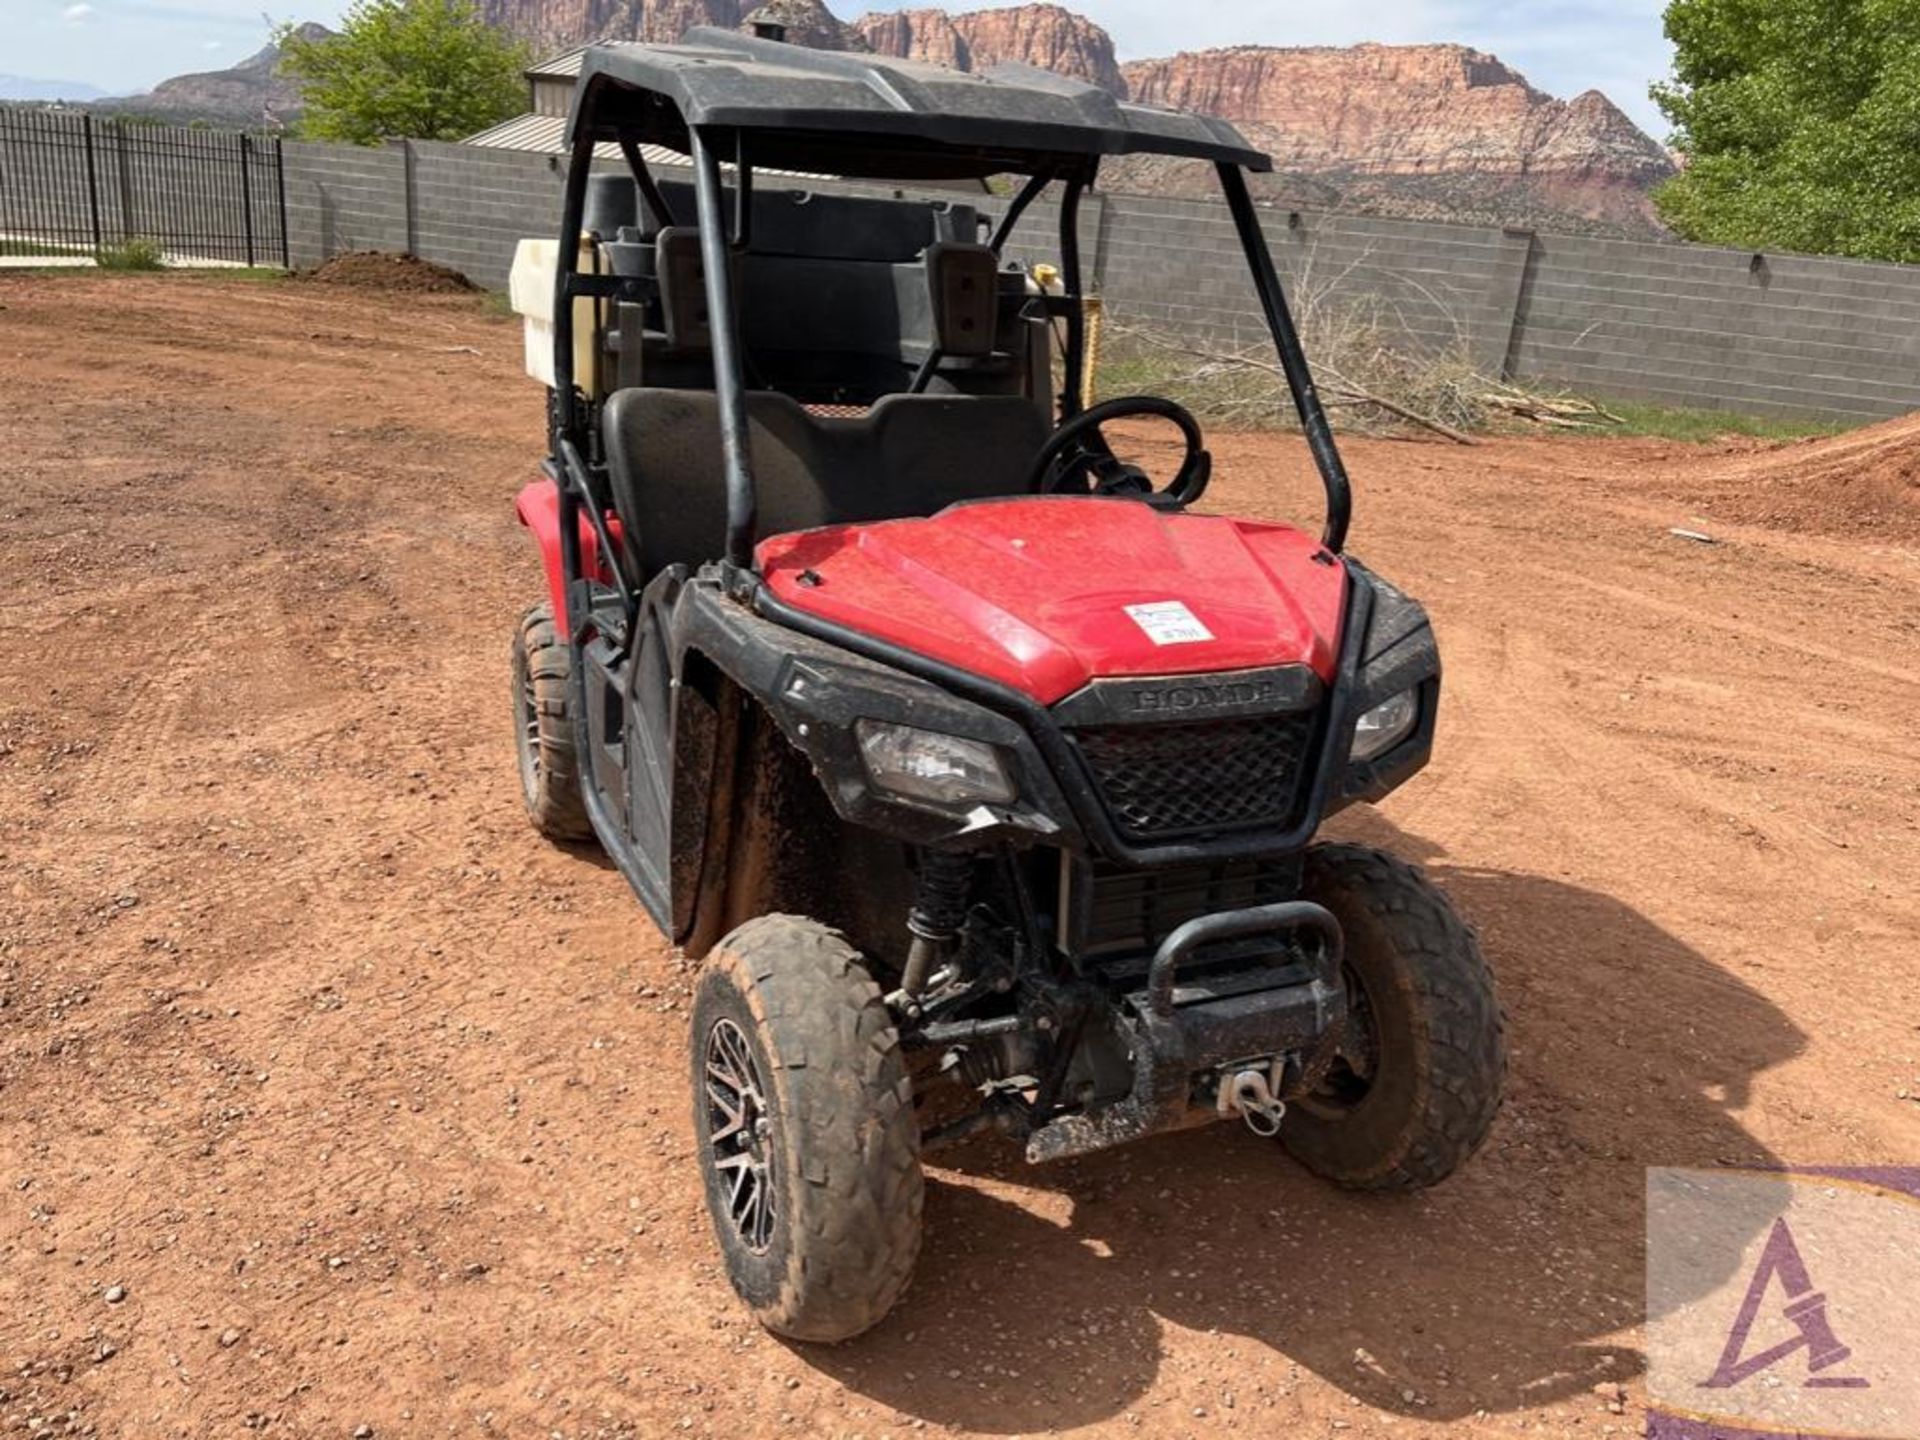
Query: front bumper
{"type": "Point", "coordinates": [1178, 1038]}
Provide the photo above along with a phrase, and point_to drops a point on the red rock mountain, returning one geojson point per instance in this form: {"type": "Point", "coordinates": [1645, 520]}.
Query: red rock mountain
{"type": "Point", "coordinates": [1043, 35]}
{"type": "Point", "coordinates": [561, 24]}
{"type": "Point", "coordinates": [1439, 131]}
{"type": "Point", "coordinates": [1399, 109]}
{"type": "Point", "coordinates": [1430, 131]}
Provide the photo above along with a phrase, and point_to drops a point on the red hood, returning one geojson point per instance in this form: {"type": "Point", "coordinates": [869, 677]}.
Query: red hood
{"type": "Point", "coordinates": [1036, 593]}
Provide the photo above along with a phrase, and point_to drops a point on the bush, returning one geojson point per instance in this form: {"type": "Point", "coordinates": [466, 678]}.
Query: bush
{"type": "Point", "coordinates": [136, 252]}
{"type": "Point", "coordinates": [1798, 120]}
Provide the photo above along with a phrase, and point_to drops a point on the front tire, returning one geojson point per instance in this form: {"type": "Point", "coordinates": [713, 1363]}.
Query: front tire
{"type": "Point", "coordinates": [804, 1124]}
{"type": "Point", "coordinates": [1422, 1064]}
{"type": "Point", "coordinates": [543, 729]}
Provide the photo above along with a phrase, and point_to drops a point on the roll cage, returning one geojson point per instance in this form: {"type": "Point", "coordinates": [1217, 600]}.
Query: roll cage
{"type": "Point", "coordinates": [757, 103]}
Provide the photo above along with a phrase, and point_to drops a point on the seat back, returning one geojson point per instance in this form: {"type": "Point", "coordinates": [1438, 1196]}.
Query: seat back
{"type": "Point", "coordinates": [910, 455]}
{"type": "Point", "coordinates": [840, 299]}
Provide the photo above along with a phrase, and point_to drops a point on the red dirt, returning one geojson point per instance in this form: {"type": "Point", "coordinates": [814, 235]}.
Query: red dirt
{"type": "Point", "coordinates": [1863, 483]}
{"type": "Point", "coordinates": [376, 1105]}
{"type": "Point", "coordinates": [377, 270]}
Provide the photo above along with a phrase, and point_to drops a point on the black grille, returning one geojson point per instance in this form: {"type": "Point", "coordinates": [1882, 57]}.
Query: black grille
{"type": "Point", "coordinates": [1127, 909]}
{"type": "Point", "coordinates": [1164, 781]}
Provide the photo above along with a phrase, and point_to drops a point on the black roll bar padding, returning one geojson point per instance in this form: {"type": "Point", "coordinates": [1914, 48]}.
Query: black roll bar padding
{"type": "Point", "coordinates": [1237, 925]}
{"type": "Point", "coordinates": [1034, 188]}
{"type": "Point", "coordinates": [1070, 269]}
{"type": "Point", "coordinates": [563, 420]}
{"type": "Point", "coordinates": [577, 480]}
{"type": "Point", "coordinates": [729, 386]}
{"type": "Point", "coordinates": [742, 192]}
{"type": "Point", "coordinates": [650, 192]}
{"type": "Point", "coordinates": [1293, 358]}
{"type": "Point", "coordinates": [572, 215]}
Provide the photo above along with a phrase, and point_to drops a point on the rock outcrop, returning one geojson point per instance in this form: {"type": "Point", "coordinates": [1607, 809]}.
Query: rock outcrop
{"type": "Point", "coordinates": [551, 25]}
{"type": "Point", "coordinates": [1430, 131]}
{"type": "Point", "coordinates": [1048, 36]}
{"type": "Point", "coordinates": [560, 24]}
{"type": "Point", "coordinates": [803, 22]}
{"type": "Point", "coordinates": [1400, 110]}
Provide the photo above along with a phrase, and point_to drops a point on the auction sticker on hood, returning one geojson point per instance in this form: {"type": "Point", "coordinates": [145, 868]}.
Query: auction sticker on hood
{"type": "Point", "coordinates": [1168, 622]}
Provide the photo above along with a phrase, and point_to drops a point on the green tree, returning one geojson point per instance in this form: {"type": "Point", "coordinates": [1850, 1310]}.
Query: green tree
{"type": "Point", "coordinates": [411, 69]}
{"type": "Point", "coordinates": [1800, 123]}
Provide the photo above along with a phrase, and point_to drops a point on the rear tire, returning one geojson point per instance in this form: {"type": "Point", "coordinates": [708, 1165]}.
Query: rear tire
{"type": "Point", "coordinates": [805, 1128]}
{"type": "Point", "coordinates": [543, 729]}
{"type": "Point", "coordinates": [1423, 1062]}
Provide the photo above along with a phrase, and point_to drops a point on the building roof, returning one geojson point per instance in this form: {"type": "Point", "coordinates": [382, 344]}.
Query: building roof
{"type": "Point", "coordinates": [565, 66]}
{"type": "Point", "coordinates": [862, 115]}
{"type": "Point", "coordinates": [547, 135]}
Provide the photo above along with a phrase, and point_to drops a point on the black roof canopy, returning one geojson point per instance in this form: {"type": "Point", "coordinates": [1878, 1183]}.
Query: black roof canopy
{"type": "Point", "coordinates": [865, 116]}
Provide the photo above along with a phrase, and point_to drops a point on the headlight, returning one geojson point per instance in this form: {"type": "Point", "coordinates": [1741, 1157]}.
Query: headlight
{"type": "Point", "coordinates": [925, 765]}
{"type": "Point", "coordinates": [1385, 726]}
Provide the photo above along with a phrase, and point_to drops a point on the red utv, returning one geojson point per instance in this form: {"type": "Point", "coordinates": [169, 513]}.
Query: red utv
{"type": "Point", "coordinates": [982, 772]}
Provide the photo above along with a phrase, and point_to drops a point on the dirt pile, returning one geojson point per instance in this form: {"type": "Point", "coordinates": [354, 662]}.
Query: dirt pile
{"type": "Point", "coordinates": [1866, 482]}
{"type": "Point", "coordinates": [376, 270]}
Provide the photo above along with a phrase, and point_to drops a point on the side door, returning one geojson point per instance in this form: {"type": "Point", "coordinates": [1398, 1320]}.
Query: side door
{"type": "Point", "coordinates": [649, 742]}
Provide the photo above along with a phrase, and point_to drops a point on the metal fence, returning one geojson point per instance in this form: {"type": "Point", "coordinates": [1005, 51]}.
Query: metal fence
{"type": "Point", "coordinates": [74, 185]}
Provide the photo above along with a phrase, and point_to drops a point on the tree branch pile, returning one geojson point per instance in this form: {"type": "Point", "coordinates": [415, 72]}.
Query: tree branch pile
{"type": "Point", "coordinates": [1363, 365]}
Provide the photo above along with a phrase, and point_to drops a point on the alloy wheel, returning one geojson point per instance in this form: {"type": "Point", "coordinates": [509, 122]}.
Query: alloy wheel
{"type": "Point", "coordinates": [739, 1134]}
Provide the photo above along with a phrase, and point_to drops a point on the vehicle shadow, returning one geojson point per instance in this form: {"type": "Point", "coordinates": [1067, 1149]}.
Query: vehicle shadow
{"type": "Point", "coordinates": [1042, 1293]}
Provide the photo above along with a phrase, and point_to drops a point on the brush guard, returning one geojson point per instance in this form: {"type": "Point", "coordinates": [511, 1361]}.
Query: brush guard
{"type": "Point", "coordinates": [1177, 1040]}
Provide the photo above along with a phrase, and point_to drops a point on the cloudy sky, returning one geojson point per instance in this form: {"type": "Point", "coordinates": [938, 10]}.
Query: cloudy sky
{"type": "Point", "coordinates": [1563, 46]}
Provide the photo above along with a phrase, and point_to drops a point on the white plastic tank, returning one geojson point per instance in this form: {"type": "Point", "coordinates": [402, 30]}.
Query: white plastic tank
{"type": "Point", "coordinates": [530, 289]}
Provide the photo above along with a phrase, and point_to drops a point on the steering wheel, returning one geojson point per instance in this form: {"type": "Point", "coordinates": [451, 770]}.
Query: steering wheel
{"type": "Point", "coordinates": [1077, 460]}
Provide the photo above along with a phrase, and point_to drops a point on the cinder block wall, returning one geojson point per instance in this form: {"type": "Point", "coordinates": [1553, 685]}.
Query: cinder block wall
{"type": "Point", "coordinates": [1694, 325]}
{"type": "Point", "coordinates": [472, 206]}
{"type": "Point", "coordinates": [1677, 324]}
{"type": "Point", "coordinates": [344, 197]}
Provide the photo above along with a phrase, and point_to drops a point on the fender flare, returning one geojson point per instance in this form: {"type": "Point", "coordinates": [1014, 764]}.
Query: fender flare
{"type": "Point", "coordinates": [538, 508]}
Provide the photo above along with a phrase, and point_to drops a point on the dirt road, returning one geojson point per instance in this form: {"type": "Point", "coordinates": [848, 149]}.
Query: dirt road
{"type": "Point", "coordinates": [330, 1097]}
